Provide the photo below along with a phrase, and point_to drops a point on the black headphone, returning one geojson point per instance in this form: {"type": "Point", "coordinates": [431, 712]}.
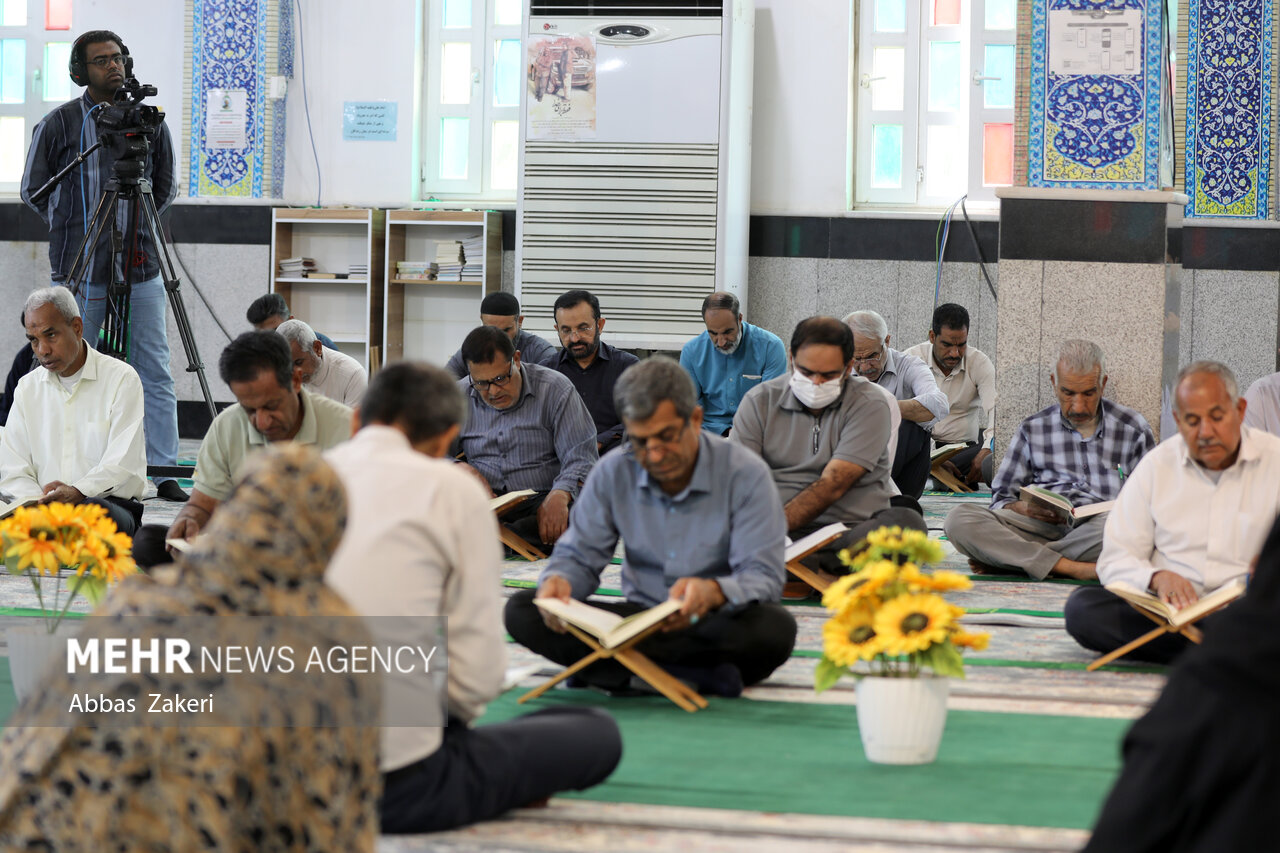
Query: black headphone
{"type": "Point", "coordinates": [78, 68]}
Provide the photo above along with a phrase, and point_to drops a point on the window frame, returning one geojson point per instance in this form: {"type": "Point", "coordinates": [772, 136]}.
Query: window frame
{"type": "Point", "coordinates": [33, 109]}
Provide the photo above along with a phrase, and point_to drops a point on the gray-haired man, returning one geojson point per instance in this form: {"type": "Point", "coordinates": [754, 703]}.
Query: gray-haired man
{"type": "Point", "coordinates": [330, 373]}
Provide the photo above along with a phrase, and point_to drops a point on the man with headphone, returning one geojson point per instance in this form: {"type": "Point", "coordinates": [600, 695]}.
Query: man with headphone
{"type": "Point", "coordinates": [101, 63]}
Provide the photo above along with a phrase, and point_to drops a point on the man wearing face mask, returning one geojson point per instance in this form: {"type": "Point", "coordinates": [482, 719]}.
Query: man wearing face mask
{"type": "Point", "coordinates": [825, 436]}
{"type": "Point", "coordinates": [729, 359]}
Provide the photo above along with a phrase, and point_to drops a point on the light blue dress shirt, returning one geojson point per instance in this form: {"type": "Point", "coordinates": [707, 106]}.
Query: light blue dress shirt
{"type": "Point", "coordinates": [722, 380]}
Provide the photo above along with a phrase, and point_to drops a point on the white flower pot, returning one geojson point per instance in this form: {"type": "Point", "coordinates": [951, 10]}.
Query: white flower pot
{"type": "Point", "coordinates": [901, 719]}
{"type": "Point", "coordinates": [32, 649]}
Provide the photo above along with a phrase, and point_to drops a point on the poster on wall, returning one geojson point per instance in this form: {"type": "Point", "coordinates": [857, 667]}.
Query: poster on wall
{"type": "Point", "coordinates": [562, 87]}
{"type": "Point", "coordinates": [369, 120]}
{"type": "Point", "coordinates": [226, 120]}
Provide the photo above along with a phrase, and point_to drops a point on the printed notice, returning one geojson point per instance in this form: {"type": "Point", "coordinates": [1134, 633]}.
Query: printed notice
{"type": "Point", "coordinates": [226, 120]}
{"type": "Point", "coordinates": [373, 121]}
{"type": "Point", "coordinates": [1095, 43]}
{"type": "Point", "coordinates": [562, 87]}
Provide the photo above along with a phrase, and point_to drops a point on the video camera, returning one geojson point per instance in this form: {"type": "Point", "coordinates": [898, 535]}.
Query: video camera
{"type": "Point", "coordinates": [127, 126]}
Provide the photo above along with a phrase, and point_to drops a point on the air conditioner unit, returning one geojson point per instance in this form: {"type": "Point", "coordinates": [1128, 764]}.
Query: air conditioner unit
{"type": "Point", "coordinates": [635, 161]}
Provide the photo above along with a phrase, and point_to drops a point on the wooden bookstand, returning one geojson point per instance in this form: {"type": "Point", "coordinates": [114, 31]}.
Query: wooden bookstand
{"type": "Point", "coordinates": [1189, 630]}
{"type": "Point", "coordinates": [806, 574]}
{"type": "Point", "coordinates": [945, 477]}
{"type": "Point", "coordinates": [627, 655]}
{"type": "Point", "coordinates": [511, 539]}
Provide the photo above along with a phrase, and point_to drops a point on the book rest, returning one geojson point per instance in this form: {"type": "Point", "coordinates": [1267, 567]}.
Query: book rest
{"type": "Point", "coordinates": [630, 657]}
{"type": "Point", "coordinates": [803, 572]}
{"type": "Point", "coordinates": [945, 477]}
{"type": "Point", "coordinates": [512, 539]}
{"type": "Point", "coordinates": [1189, 630]}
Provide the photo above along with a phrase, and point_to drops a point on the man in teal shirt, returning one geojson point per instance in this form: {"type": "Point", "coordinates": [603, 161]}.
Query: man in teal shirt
{"type": "Point", "coordinates": [728, 360]}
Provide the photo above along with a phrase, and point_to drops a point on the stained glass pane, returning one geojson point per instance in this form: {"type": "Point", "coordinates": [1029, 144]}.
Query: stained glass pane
{"type": "Point", "coordinates": [886, 156]}
{"type": "Point", "coordinates": [944, 162]}
{"type": "Point", "coordinates": [998, 94]}
{"type": "Point", "coordinates": [11, 154]}
{"type": "Point", "coordinates": [13, 13]}
{"type": "Point", "coordinates": [57, 85]}
{"type": "Point", "coordinates": [13, 70]}
{"type": "Point", "coordinates": [1000, 14]}
{"type": "Point", "coordinates": [890, 16]}
{"type": "Point", "coordinates": [57, 14]}
{"type": "Point", "coordinates": [504, 149]}
{"type": "Point", "coordinates": [455, 73]}
{"type": "Point", "coordinates": [454, 148]}
{"type": "Point", "coordinates": [946, 75]}
{"type": "Point", "coordinates": [457, 13]}
{"type": "Point", "coordinates": [946, 13]}
{"type": "Point", "coordinates": [506, 13]}
{"type": "Point", "coordinates": [506, 73]}
{"type": "Point", "coordinates": [997, 155]}
{"type": "Point", "coordinates": [888, 80]}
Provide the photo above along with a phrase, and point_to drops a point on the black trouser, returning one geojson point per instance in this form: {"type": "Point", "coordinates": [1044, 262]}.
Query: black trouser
{"type": "Point", "coordinates": [1103, 621]}
{"type": "Point", "coordinates": [757, 639]}
{"type": "Point", "coordinates": [125, 512]}
{"type": "Point", "coordinates": [964, 460]}
{"type": "Point", "coordinates": [477, 774]}
{"type": "Point", "coordinates": [828, 559]}
{"type": "Point", "coordinates": [911, 462]}
{"type": "Point", "coordinates": [523, 521]}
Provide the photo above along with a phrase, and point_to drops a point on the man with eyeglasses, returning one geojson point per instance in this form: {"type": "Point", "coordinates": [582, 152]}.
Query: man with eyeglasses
{"type": "Point", "coordinates": [526, 428]}
{"type": "Point", "coordinates": [908, 379]}
{"type": "Point", "coordinates": [589, 363]}
{"type": "Point", "coordinates": [100, 62]}
{"type": "Point", "coordinates": [702, 524]}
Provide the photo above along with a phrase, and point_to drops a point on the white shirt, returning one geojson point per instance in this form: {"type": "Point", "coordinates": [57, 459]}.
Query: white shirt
{"type": "Point", "coordinates": [1263, 404]}
{"type": "Point", "coordinates": [421, 541]}
{"type": "Point", "coordinates": [971, 391]}
{"type": "Point", "coordinates": [1171, 515]}
{"type": "Point", "coordinates": [339, 377]}
{"type": "Point", "coordinates": [89, 437]}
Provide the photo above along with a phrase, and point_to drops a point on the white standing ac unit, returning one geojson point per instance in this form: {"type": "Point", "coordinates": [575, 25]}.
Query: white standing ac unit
{"type": "Point", "coordinates": [648, 210]}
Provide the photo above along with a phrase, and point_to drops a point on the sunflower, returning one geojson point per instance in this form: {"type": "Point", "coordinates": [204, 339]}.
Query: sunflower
{"type": "Point", "coordinates": [912, 623]}
{"type": "Point", "coordinates": [40, 550]}
{"type": "Point", "coordinates": [851, 637]}
{"type": "Point", "coordinates": [918, 547]}
{"type": "Point", "coordinates": [942, 581]}
{"type": "Point", "coordinates": [858, 586]}
{"type": "Point", "coordinates": [966, 640]}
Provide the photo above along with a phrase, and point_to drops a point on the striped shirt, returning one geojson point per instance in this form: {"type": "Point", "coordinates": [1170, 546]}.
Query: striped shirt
{"type": "Point", "coordinates": [545, 440]}
{"type": "Point", "coordinates": [1049, 452]}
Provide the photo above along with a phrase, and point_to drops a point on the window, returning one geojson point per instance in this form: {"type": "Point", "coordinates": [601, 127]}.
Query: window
{"type": "Point", "coordinates": [473, 76]}
{"type": "Point", "coordinates": [934, 89]}
{"type": "Point", "coordinates": [34, 47]}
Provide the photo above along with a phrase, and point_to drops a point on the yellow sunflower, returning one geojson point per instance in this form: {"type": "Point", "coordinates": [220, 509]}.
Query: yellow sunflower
{"type": "Point", "coordinates": [39, 549]}
{"type": "Point", "coordinates": [858, 586]}
{"type": "Point", "coordinates": [918, 547]}
{"type": "Point", "coordinates": [912, 623]}
{"type": "Point", "coordinates": [851, 637]}
{"type": "Point", "coordinates": [966, 640]}
{"type": "Point", "coordinates": [941, 581]}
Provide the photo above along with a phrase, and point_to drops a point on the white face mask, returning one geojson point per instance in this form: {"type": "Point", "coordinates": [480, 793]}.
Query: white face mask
{"type": "Point", "coordinates": [815, 396]}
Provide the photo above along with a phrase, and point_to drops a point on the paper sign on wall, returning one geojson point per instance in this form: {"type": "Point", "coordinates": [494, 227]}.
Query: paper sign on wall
{"type": "Point", "coordinates": [562, 87]}
{"type": "Point", "coordinates": [226, 119]}
{"type": "Point", "coordinates": [369, 120]}
{"type": "Point", "coordinates": [1095, 43]}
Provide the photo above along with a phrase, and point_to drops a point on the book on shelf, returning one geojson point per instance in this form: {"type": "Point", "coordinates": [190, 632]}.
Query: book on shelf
{"type": "Point", "coordinates": [325, 275]}
{"type": "Point", "coordinates": [449, 252]}
{"type": "Point", "coordinates": [510, 500]}
{"type": "Point", "coordinates": [296, 265]}
{"type": "Point", "coordinates": [1061, 505]}
{"type": "Point", "coordinates": [1207, 603]}
{"type": "Point", "coordinates": [609, 628]}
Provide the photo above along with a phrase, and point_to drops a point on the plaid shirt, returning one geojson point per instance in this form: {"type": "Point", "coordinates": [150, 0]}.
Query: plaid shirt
{"type": "Point", "coordinates": [1048, 452]}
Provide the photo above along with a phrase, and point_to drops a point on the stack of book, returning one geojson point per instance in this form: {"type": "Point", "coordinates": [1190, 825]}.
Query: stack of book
{"type": "Point", "coordinates": [450, 260]}
{"type": "Point", "coordinates": [297, 266]}
{"type": "Point", "coordinates": [358, 270]}
{"type": "Point", "coordinates": [417, 270]}
{"type": "Point", "coordinates": [472, 259]}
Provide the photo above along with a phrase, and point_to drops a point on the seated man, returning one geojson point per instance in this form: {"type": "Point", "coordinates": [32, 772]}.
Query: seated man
{"type": "Point", "coordinates": [591, 365]}
{"type": "Point", "coordinates": [527, 428]}
{"type": "Point", "coordinates": [968, 378]}
{"type": "Point", "coordinates": [75, 432]}
{"type": "Point", "coordinates": [1192, 516]}
{"type": "Point", "coordinates": [825, 436]}
{"type": "Point", "coordinates": [729, 359]}
{"type": "Point", "coordinates": [1081, 447]}
{"type": "Point", "coordinates": [1263, 400]}
{"type": "Point", "coordinates": [503, 310]}
{"type": "Point", "coordinates": [702, 525]}
{"type": "Point", "coordinates": [420, 554]}
{"type": "Point", "coordinates": [332, 374]}
{"type": "Point", "coordinates": [920, 402]}
{"type": "Point", "coordinates": [267, 312]}
{"type": "Point", "coordinates": [271, 405]}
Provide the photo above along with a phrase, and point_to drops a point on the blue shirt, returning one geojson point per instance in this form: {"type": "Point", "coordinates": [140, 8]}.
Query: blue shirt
{"type": "Point", "coordinates": [722, 380]}
{"type": "Point", "coordinates": [726, 524]}
{"type": "Point", "coordinates": [595, 385]}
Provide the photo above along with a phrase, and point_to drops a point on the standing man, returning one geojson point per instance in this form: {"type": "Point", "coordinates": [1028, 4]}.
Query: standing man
{"type": "Point", "coordinates": [503, 310]}
{"type": "Point", "coordinates": [729, 359]}
{"type": "Point", "coordinates": [332, 374]}
{"type": "Point", "coordinates": [911, 383]}
{"type": "Point", "coordinates": [100, 62]}
{"type": "Point", "coordinates": [591, 365]}
{"type": "Point", "coordinates": [968, 378]}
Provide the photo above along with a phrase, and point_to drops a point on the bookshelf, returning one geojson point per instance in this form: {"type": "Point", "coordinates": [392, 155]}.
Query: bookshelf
{"type": "Point", "coordinates": [349, 310]}
{"type": "Point", "coordinates": [427, 320]}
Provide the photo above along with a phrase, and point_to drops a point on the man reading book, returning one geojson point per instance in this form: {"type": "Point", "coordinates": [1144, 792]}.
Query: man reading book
{"type": "Point", "coordinates": [1191, 518]}
{"type": "Point", "coordinates": [1081, 447]}
{"type": "Point", "coordinates": [420, 553]}
{"type": "Point", "coordinates": [702, 524]}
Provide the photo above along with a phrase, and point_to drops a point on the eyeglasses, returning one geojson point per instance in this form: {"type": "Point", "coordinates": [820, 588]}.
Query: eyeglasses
{"type": "Point", "coordinates": [107, 61]}
{"type": "Point", "coordinates": [870, 359]}
{"type": "Point", "coordinates": [664, 439]}
{"type": "Point", "coordinates": [482, 385]}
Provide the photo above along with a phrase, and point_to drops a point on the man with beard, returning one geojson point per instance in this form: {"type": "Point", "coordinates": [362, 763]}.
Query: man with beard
{"type": "Point", "coordinates": [729, 359]}
{"type": "Point", "coordinates": [1082, 447]}
{"type": "Point", "coordinates": [590, 364]}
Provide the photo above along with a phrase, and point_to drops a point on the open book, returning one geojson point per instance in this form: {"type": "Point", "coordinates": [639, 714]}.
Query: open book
{"type": "Point", "coordinates": [12, 508]}
{"type": "Point", "coordinates": [945, 452]}
{"type": "Point", "coordinates": [806, 545]}
{"type": "Point", "coordinates": [1223, 595]}
{"type": "Point", "coordinates": [609, 628]}
{"type": "Point", "coordinates": [1060, 504]}
{"type": "Point", "coordinates": [510, 500]}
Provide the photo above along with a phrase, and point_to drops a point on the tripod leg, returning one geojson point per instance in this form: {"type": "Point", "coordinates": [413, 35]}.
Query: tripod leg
{"type": "Point", "coordinates": [82, 267]}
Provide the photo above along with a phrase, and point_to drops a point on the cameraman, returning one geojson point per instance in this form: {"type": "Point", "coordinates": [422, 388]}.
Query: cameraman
{"type": "Point", "coordinates": [101, 63]}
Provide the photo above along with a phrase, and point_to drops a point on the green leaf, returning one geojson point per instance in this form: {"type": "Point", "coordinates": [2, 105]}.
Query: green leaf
{"type": "Point", "coordinates": [826, 674]}
{"type": "Point", "coordinates": [944, 659]}
{"type": "Point", "coordinates": [93, 588]}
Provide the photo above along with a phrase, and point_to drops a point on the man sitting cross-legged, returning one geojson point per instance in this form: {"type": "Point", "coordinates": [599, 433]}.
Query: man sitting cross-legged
{"type": "Point", "coordinates": [1081, 447]}
{"type": "Point", "coordinates": [75, 432]}
{"type": "Point", "coordinates": [702, 524]}
{"type": "Point", "coordinates": [420, 553]}
{"type": "Point", "coordinates": [331, 373]}
{"type": "Point", "coordinates": [1193, 516]}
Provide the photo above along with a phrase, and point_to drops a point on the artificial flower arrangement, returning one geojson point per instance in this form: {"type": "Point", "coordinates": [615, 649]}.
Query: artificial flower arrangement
{"type": "Point", "coordinates": [41, 539]}
{"type": "Point", "coordinates": [890, 613]}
